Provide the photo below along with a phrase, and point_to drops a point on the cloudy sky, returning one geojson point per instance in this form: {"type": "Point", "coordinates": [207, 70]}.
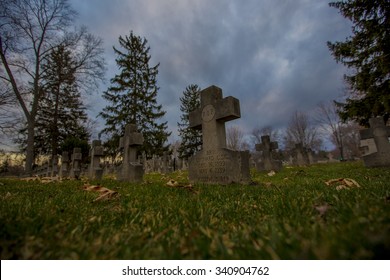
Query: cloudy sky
{"type": "Point", "coordinates": [270, 54]}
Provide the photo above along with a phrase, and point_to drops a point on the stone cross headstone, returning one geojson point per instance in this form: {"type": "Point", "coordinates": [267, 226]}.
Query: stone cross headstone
{"type": "Point", "coordinates": [131, 170]}
{"type": "Point", "coordinates": [374, 143]}
{"type": "Point", "coordinates": [267, 162]}
{"type": "Point", "coordinates": [301, 157]}
{"type": "Point", "coordinates": [75, 171]}
{"type": "Point", "coordinates": [95, 171]}
{"type": "Point", "coordinates": [215, 163]}
{"type": "Point", "coordinates": [64, 170]}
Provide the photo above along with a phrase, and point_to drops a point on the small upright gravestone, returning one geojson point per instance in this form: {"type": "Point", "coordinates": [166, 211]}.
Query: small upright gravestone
{"type": "Point", "coordinates": [75, 171]}
{"type": "Point", "coordinates": [95, 171]}
{"type": "Point", "coordinates": [375, 143]}
{"type": "Point", "coordinates": [312, 156]}
{"type": "Point", "coordinates": [131, 170]}
{"type": "Point", "coordinates": [301, 156]}
{"type": "Point", "coordinates": [165, 163]}
{"type": "Point", "coordinates": [64, 170]}
{"type": "Point", "coordinates": [216, 164]}
{"type": "Point", "coordinates": [267, 162]}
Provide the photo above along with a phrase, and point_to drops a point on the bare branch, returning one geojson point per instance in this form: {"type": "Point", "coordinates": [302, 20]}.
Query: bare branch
{"type": "Point", "coordinates": [234, 138]}
{"type": "Point", "coordinates": [300, 130]}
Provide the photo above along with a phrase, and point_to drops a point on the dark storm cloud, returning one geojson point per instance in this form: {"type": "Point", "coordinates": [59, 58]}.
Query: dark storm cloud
{"type": "Point", "coordinates": [270, 54]}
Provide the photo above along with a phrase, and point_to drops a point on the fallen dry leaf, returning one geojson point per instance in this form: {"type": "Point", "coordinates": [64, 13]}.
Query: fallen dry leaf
{"type": "Point", "coordinates": [105, 194]}
{"type": "Point", "coordinates": [271, 173]}
{"type": "Point", "coordinates": [351, 182]}
{"type": "Point", "coordinates": [28, 179]}
{"type": "Point", "coordinates": [341, 187]}
{"type": "Point", "coordinates": [175, 184]}
{"type": "Point", "coordinates": [343, 183]}
{"type": "Point", "coordinates": [322, 209]}
{"type": "Point", "coordinates": [46, 180]}
{"type": "Point", "coordinates": [172, 183]}
{"type": "Point", "coordinates": [43, 180]}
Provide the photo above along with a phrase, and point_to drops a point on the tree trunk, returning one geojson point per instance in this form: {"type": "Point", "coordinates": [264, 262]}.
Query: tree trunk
{"type": "Point", "coordinates": [54, 140]}
{"type": "Point", "coordinates": [341, 148]}
{"type": "Point", "coordinates": [30, 147]}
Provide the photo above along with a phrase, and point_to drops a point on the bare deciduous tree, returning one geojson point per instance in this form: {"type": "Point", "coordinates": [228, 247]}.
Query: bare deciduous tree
{"type": "Point", "coordinates": [266, 130]}
{"type": "Point", "coordinates": [9, 116]}
{"type": "Point", "coordinates": [29, 30]}
{"type": "Point", "coordinates": [330, 122]}
{"type": "Point", "coordinates": [351, 140]}
{"type": "Point", "coordinates": [344, 136]}
{"type": "Point", "coordinates": [235, 139]}
{"type": "Point", "coordinates": [300, 130]}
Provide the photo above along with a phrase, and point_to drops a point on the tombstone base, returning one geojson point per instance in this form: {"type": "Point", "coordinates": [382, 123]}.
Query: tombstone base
{"type": "Point", "coordinates": [377, 159]}
{"type": "Point", "coordinates": [220, 166]}
{"type": "Point", "coordinates": [301, 160]}
{"type": "Point", "coordinates": [64, 173]}
{"type": "Point", "coordinates": [134, 172]}
{"type": "Point", "coordinates": [269, 165]}
{"type": "Point", "coordinates": [75, 174]}
{"type": "Point", "coordinates": [97, 174]}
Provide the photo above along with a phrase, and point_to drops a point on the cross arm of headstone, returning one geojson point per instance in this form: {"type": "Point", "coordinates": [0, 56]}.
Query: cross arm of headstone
{"type": "Point", "coordinates": [366, 133]}
{"type": "Point", "coordinates": [259, 147]}
{"type": "Point", "coordinates": [228, 109]}
{"type": "Point", "coordinates": [135, 138]}
{"type": "Point", "coordinates": [99, 151]}
{"type": "Point", "coordinates": [195, 118]}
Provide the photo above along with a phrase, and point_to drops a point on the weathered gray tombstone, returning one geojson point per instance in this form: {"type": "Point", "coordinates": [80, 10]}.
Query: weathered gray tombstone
{"type": "Point", "coordinates": [106, 168]}
{"type": "Point", "coordinates": [331, 158]}
{"type": "Point", "coordinates": [165, 163]}
{"type": "Point", "coordinates": [42, 170]}
{"type": "Point", "coordinates": [131, 170]}
{"type": "Point", "coordinates": [374, 143]}
{"type": "Point", "coordinates": [75, 171]}
{"type": "Point", "coordinates": [291, 160]}
{"type": "Point", "coordinates": [95, 171]}
{"type": "Point", "coordinates": [156, 164]}
{"type": "Point", "coordinates": [300, 157]}
{"type": "Point", "coordinates": [267, 163]}
{"type": "Point", "coordinates": [215, 163]}
{"type": "Point", "coordinates": [64, 170]}
{"type": "Point", "coordinates": [184, 164]}
{"type": "Point", "coordinates": [312, 156]}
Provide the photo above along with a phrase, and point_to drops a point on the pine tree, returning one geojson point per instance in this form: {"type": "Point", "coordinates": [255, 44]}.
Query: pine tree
{"type": "Point", "coordinates": [367, 53]}
{"type": "Point", "coordinates": [191, 139]}
{"type": "Point", "coordinates": [132, 96]}
{"type": "Point", "coordinates": [61, 113]}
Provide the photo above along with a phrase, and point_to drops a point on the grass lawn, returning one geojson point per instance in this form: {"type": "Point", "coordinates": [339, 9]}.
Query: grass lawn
{"type": "Point", "coordinates": [292, 215]}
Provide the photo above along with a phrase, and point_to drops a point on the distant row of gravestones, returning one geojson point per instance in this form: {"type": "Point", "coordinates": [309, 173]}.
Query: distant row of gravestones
{"type": "Point", "coordinates": [72, 167]}
{"type": "Point", "coordinates": [215, 163]}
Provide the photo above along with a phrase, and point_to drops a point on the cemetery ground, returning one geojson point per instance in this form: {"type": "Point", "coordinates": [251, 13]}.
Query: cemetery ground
{"type": "Point", "coordinates": [291, 215]}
